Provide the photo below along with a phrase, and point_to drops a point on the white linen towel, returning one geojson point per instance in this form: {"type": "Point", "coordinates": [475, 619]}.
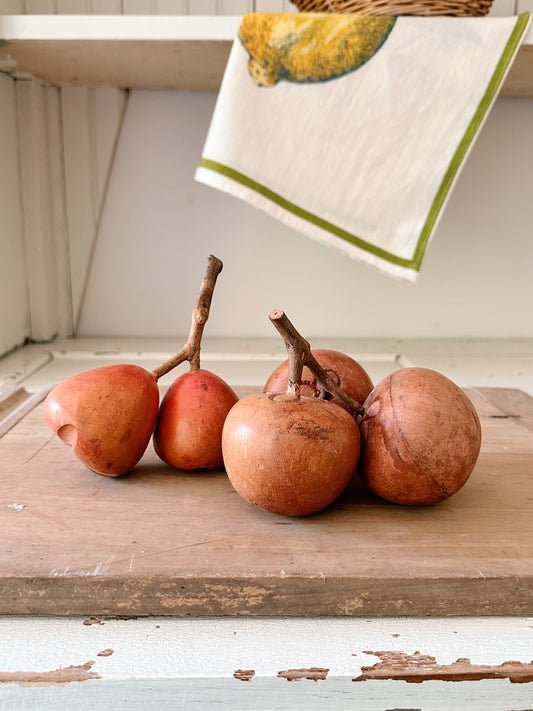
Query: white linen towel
{"type": "Point", "coordinates": [354, 129]}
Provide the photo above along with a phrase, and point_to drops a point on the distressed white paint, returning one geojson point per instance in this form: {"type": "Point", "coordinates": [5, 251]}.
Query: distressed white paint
{"type": "Point", "coordinates": [216, 647]}
{"type": "Point", "coordinates": [14, 298]}
{"type": "Point", "coordinates": [178, 663]}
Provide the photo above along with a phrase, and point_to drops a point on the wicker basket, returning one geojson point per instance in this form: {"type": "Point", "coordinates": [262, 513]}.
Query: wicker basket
{"type": "Point", "coordinates": [464, 8]}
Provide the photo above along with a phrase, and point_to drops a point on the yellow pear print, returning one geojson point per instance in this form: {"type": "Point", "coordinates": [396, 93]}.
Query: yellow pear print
{"type": "Point", "coordinates": [310, 47]}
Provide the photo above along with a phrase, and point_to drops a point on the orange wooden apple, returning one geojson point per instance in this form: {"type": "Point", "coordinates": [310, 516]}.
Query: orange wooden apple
{"type": "Point", "coordinates": [107, 415]}
{"type": "Point", "coordinates": [289, 454]}
{"type": "Point", "coordinates": [421, 437]}
{"type": "Point", "coordinates": [346, 372]}
{"type": "Point", "coordinates": [188, 433]}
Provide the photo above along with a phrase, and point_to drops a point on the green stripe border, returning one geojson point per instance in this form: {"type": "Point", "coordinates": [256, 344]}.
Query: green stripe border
{"type": "Point", "coordinates": [462, 149]}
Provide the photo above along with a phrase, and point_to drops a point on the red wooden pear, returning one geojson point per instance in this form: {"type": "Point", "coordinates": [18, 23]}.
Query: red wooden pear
{"type": "Point", "coordinates": [188, 432]}
{"type": "Point", "coordinates": [108, 414]}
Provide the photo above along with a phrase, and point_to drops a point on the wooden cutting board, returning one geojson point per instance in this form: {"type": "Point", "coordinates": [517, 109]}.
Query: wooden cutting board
{"type": "Point", "coordinates": [161, 542]}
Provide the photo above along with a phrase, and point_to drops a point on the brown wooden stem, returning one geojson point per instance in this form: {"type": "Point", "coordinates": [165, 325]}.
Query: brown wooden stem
{"type": "Point", "coordinates": [299, 352]}
{"type": "Point", "coordinates": [200, 314]}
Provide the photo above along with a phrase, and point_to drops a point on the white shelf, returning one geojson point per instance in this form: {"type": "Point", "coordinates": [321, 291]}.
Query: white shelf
{"type": "Point", "coordinates": [134, 51]}
{"type": "Point", "coordinates": [152, 52]}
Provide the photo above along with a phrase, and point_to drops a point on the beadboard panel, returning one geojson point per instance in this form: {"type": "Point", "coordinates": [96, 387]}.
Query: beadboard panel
{"type": "Point", "coordinates": [57, 146]}
{"type": "Point", "coordinates": [475, 282]}
{"type": "Point", "coordinates": [524, 6]}
{"type": "Point", "coordinates": [91, 120]}
{"type": "Point", "coordinates": [41, 7]}
{"type": "Point", "coordinates": [13, 7]}
{"type": "Point", "coordinates": [184, 7]}
{"type": "Point", "coordinates": [56, 193]}
{"type": "Point", "coordinates": [14, 302]}
{"type": "Point", "coordinates": [502, 8]}
{"type": "Point", "coordinates": [37, 200]}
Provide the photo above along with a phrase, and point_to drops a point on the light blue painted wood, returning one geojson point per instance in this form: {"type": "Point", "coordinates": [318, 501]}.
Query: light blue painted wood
{"type": "Point", "coordinates": [211, 694]}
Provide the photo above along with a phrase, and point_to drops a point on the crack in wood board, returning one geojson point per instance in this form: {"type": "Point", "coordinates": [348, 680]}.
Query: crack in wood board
{"type": "Point", "coordinates": [56, 677]}
{"type": "Point", "coordinates": [416, 668]}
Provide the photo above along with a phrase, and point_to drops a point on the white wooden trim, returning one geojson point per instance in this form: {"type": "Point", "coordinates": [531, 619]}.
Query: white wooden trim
{"type": "Point", "coordinates": [38, 218]}
{"type": "Point", "coordinates": [128, 27]}
{"type": "Point", "coordinates": [14, 297]}
{"type": "Point", "coordinates": [175, 664]}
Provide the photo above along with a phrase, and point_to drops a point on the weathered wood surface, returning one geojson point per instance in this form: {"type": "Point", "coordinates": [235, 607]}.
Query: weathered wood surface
{"type": "Point", "coordinates": [162, 542]}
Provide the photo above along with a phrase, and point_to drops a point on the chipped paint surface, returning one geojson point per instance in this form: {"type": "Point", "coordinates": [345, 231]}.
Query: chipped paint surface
{"type": "Point", "coordinates": [313, 673]}
{"type": "Point", "coordinates": [105, 653]}
{"type": "Point", "coordinates": [102, 620]}
{"type": "Point", "coordinates": [61, 676]}
{"type": "Point", "coordinates": [417, 667]}
{"type": "Point", "coordinates": [15, 507]}
{"type": "Point", "coordinates": [210, 659]}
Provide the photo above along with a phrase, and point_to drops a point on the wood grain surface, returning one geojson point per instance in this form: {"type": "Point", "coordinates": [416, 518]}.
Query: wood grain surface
{"type": "Point", "coordinates": [159, 541]}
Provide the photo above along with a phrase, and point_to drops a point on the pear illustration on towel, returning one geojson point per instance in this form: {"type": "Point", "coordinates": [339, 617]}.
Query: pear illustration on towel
{"type": "Point", "coordinates": [310, 47]}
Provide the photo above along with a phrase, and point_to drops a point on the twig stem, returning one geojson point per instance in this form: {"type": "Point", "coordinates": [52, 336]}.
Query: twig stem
{"type": "Point", "coordinates": [299, 352]}
{"type": "Point", "coordinates": [200, 314]}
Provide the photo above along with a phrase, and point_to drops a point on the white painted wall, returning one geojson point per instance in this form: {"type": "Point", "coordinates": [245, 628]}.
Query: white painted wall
{"type": "Point", "coordinates": [158, 226]}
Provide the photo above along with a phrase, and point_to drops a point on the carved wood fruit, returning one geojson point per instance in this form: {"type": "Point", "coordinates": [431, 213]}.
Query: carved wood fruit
{"type": "Point", "coordinates": [188, 432]}
{"type": "Point", "coordinates": [107, 415]}
{"type": "Point", "coordinates": [420, 437]}
{"type": "Point", "coordinates": [289, 454]}
{"type": "Point", "coordinates": [345, 371]}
